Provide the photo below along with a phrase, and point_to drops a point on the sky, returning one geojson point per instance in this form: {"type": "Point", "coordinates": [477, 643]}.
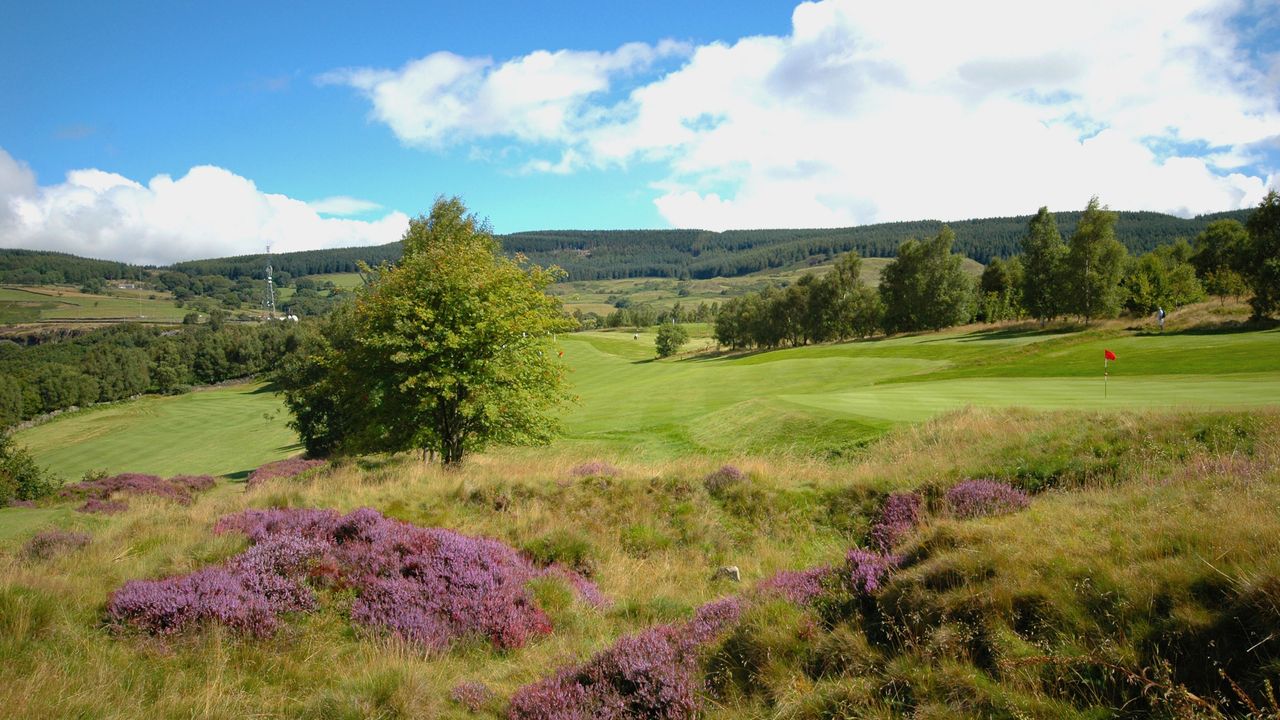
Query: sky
{"type": "Point", "coordinates": [159, 132]}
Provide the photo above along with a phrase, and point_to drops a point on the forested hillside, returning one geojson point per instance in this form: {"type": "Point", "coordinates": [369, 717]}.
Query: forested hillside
{"type": "Point", "coordinates": [609, 254]}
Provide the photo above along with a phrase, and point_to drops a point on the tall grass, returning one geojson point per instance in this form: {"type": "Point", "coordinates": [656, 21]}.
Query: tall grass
{"type": "Point", "coordinates": [1149, 540]}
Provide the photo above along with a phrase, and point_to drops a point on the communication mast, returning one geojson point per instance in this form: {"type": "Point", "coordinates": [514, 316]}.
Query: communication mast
{"type": "Point", "coordinates": [271, 288]}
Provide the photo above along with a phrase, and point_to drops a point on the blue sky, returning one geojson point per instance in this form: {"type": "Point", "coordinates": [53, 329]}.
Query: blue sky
{"type": "Point", "coordinates": [156, 132]}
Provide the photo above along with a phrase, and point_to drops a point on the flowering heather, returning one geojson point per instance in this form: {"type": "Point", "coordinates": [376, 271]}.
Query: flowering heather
{"type": "Point", "coordinates": [471, 695]}
{"type": "Point", "coordinates": [868, 570]}
{"type": "Point", "coordinates": [22, 503]}
{"type": "Point", "coordinates": [899, 515]}
{"type": "Point", "coordinates": [98, 492]}
{"type": "Point", "coordinates": [104, 507]}
{"type": "Point", "coordinates": [976, 498]}
{"type": "Point", "coordinates": [595, 468]}
{"type": "Point", "coordinates": [54, 542]}
{"type": "Point", "coordinates": [427, 585]}
{"type": "Point", "coordinates": [287, 468]}
{"type": "Point", "coordinates": [719, 480]}
{"type": "Point", "coordinates": [652, 674]}
{"type": "Point", "coordinates": [797, 586]}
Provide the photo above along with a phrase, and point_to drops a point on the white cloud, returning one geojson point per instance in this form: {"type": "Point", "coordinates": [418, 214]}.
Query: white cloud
{"type": "Point", "coordinates": [209, 212]}
{"type": "Point", "coordinates": [870, 112]}
{"type": "Point", "coordinates": [542, 96]}
{"type": "Point", "coordinates": [343, 205]}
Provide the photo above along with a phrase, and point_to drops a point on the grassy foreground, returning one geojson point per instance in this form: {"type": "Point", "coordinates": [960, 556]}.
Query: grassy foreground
{"type": "Point", "coordinates": [1151, 549]}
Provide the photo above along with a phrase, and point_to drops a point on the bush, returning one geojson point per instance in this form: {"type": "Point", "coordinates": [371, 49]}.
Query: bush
{"type": "Point", "coordinates": [976, 498]}
{"type": "Point", "coordinates": [670, 338]}
{"type": "Point", "coordinates": [427, 585]}
{"type": "Point", "coordinates": [20, 478]}
{"type": "Point", "coordinates": [287, 468]}
{"type": "Point", "coordinates": [98, 491]}
{"type": "Point", "coordinates": [54, 542]}
{"type": "Point", "coordinates": [898, 516]}
{"type": "Point", "coordinates": [725, 477]}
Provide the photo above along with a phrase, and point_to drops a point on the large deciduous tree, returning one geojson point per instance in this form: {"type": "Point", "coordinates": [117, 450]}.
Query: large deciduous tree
{"type": "Point", "coordinates": [924, 288]}
{"type": "Point", "coordinates": [447, 351]}
{"type": "Point", "coordinates": [1095, 264]}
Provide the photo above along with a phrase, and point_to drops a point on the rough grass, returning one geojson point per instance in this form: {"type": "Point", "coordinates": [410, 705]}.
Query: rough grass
{"type": "Point", "coordinates": [1153, 539]}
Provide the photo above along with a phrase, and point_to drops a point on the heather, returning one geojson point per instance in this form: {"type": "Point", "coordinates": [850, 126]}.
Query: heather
{"type": "Point", "coordinates": [1155, 556]}
{"type": "Point", "coordinates": [975, 498]}
{"type": "Point", "coordinates": [428, 586]}
{"type": "Point", "coordinates": [287, 468]}
{"type": "Point", "coordinates": [104, 494]}
{"type": "Point", "coordinates": [52, 543]}
{"type": "Point", "coordinates": [899, 516]}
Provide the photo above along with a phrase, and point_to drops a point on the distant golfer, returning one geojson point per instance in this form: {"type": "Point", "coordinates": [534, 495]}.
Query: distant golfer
{"type": "Point", "coordinates": [1160, 317]}
{"type": "Point", "coordinates": [635, 336]}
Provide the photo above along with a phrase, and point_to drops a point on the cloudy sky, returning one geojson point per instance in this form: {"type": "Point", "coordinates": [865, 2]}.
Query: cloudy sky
{"type": "Point", "coordinates": [160, 132]}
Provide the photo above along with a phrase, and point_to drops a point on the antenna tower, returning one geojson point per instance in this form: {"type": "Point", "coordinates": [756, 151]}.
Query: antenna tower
{"type": "Point", "coordinates": [271, 288]}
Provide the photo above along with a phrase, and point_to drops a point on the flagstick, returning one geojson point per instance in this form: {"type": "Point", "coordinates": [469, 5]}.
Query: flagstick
{"type": "Point", "coordinates": [1104, 376]}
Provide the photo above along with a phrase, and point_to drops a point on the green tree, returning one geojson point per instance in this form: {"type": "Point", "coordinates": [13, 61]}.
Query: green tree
{"type": "Point", "coordinates": [1043, 256]}
{"type": "Point", "coordinates": [447, 351]}
{"type": "Point", "coordinates": [1095, 265]}
{"type": "Point", "coordinates": [999, 290]}
{"type": "Point", "coordinates": [1261, 256]}
{"type": "Point", "coordinates": [670, 337]}
{"type": "Point", "coordinates": [924, 287]}
{"type": "Point", "coordinates": [20, 477]}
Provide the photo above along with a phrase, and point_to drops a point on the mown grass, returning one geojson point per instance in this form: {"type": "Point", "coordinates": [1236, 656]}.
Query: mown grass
{"type": "Point", "coordinates": [1152, 540]}
{"type": "Point", "coordinates": [218, 431]}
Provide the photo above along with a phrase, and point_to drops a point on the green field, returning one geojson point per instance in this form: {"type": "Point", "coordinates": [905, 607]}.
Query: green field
{"type": "Point", "coordinates": [50, 302]}
{"type": "Point", "coordinates": [829, 398]}
{"type": "Point", "coordinates": [825, 401]}
{"type": "Point", "coordinates": [220, 431]}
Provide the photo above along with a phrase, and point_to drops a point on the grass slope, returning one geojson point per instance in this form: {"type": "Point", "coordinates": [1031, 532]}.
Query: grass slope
{"type": "Point", "coordinates": [831, 398]}
{"type": "Point", "coordinates": [1123, 558]}
{"type": "Point", "coordinates": [219, 431]}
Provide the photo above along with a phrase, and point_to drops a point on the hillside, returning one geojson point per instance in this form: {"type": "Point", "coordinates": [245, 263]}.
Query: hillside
{"type": "Point", "coordinates": [613, 254]}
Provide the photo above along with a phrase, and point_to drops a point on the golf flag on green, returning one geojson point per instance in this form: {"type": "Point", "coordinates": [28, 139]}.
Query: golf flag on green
{"type": "Point", "coordinates": [1107, 356]}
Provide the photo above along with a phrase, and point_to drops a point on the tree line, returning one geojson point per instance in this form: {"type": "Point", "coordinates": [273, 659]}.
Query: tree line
{"type": "Point", "coordinates": [1090, 275]}
{"type": "Point", "coordinates": [126, 360]}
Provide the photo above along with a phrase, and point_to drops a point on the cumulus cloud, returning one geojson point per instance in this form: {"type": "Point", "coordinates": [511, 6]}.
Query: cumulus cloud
{"type": "Point", "coordinates": [209, 212]}
{"type": "Point", "coordinates": [542, 96]}
{"type": "Point", "coordinates": [870, 112]}
{"type": "Point", "coordinates": [343, 205]}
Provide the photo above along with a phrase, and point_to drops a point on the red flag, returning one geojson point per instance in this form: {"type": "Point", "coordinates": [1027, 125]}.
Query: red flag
{"type": "Point", "coordinates": [1108, 355]}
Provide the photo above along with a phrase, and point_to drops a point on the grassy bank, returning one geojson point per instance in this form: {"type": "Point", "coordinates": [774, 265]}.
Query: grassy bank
{"type": "Point", "coordinates": [1150, 539]}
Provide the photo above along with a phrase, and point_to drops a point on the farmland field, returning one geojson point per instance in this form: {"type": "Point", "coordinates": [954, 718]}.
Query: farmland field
{"type": "Point", "coordinates": [46, 302]}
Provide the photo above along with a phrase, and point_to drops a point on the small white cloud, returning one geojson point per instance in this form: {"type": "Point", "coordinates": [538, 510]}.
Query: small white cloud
{"type": "Point", "coordinates": [343, 205]}
{"type": "Point", "coordinates": [209, 212]}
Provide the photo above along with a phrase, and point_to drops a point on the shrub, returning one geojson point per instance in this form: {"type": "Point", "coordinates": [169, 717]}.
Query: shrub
{"type": "Point", "coordinates": [651, 674]}
{"type": "Point", "coordinates": [898, 516]}
{"type": "Point", "coordinates": [98, 490]}
{"type": "Point", "coordinates": [471, 695]}
{"type": "Point", "coordinates": [54, 542]}
{"type": "Point", "coordinates": [868, 570]}
{"type": "Point", "coordinates": [976, 498]}
{"type": "Point", "coordinates": [595, 469]}
{"type": "Point", "coordinates": [725, 477]}
{"type": "Point", "coordinates": [797, 586]}
{"type": "Point", "coordinates": [426, 585]}
{"type": "Point", "coordinates": [287, 468]}
{"type": "Point", "coordinates": [20, 478]}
